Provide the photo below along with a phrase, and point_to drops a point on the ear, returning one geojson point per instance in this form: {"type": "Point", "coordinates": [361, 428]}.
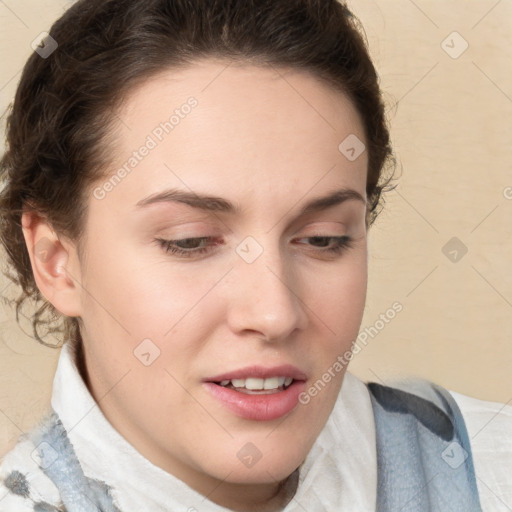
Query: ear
{"type": "Point", "coordinates": [55, 264]}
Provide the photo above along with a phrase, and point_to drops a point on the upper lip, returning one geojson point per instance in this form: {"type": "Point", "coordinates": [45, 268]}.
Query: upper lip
{"type": "Point", "coordinates": [262, 372]}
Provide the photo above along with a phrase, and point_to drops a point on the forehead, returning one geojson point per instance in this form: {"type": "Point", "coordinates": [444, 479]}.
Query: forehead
{"type": "Point", "coordinates": [254, 127]}
{"type": "Point", "coordinates": [238, 91]}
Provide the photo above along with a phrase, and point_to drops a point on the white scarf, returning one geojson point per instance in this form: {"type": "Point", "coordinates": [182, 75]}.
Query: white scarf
{"type": "Point", "coordinates": [339, 473]}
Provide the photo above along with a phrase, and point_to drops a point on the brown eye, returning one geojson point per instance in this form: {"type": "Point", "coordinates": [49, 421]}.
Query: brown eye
{"type": "Point", "coordinates": [189, 243]}
{"type": "Point", "coordinates": [330, 244]}
{"type": "Point", "coordinates": [186, 247]}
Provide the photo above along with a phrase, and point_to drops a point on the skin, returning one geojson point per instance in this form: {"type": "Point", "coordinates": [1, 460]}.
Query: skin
{"type": "Point", "coordinates": [255, 141]}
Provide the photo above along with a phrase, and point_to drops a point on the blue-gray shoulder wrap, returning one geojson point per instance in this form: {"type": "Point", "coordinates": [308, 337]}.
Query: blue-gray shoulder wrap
{"type": "Point", "coordinates": [423, 452]}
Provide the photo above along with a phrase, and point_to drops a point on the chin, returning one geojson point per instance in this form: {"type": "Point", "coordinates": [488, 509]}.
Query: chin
{"type": "Point", "coordinates": [266, 470]}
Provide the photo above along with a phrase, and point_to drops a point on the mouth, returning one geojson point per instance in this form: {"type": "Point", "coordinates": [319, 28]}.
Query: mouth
{"type": "Point", "coordinates": [258, 393]}
{"type": "Point", "coordinates": [258, 386]}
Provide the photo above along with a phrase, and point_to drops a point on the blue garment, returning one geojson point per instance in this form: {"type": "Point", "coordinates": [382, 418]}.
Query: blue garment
{"type": "Point", "coordinates": [424, 461]}
{"type": "Point", "coordinates": [424, 456]}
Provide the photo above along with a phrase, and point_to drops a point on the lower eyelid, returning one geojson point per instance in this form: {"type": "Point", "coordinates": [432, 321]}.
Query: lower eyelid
{"type": "Point", "coordinates": [219, 241]}
{"type": "Point", "coordinates": [211, 242]}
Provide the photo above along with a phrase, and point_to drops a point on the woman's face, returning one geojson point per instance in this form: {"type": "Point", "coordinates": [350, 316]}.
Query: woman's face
{"type": "Point", "coordinates": [250, 286]}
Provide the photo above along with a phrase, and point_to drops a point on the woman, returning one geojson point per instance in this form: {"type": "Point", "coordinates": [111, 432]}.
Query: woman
{"type": "Point", "coordinates": [189, 185]}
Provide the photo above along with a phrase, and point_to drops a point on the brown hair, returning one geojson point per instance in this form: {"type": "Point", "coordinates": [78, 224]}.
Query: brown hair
{"type": "Point", "coordinates": [59, 127]}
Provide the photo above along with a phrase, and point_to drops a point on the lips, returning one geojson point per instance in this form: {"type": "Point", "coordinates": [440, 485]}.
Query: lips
{"type": "Point", "coordinates": [258, 405]}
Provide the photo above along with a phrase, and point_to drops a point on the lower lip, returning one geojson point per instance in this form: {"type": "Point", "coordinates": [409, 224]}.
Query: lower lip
{"type": "Point", "coordinates": [260, 407]}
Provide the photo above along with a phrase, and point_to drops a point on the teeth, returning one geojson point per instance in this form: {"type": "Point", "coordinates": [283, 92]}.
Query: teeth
{"type": "Point", "coordinates": [254, 383]}
{"type": "Point", "coordinates": [238, 383]}
{"type": "Point", "coordinates": [270, 383]}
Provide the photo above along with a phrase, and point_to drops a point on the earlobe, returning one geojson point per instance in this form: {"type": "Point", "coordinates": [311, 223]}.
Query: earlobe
{"type": "Point", "coordinates": [51, 261]}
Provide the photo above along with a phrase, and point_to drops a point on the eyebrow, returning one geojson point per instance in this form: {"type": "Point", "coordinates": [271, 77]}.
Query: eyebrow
{"type": "Point", "coordinates": [219, 204]}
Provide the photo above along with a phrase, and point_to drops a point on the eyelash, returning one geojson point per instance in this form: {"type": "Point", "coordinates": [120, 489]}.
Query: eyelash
{"type": "Point", "coordinates": [342, 243]}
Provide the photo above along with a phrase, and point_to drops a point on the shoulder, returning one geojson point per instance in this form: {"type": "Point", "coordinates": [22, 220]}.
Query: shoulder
{"type": "Point", "coordinates": [489, 426]}
{"type": "Point", "coordinates": [23, 484]}
{"type": "Point", "coordinates": [486, 429]}
{"type": "Point", "coordinates": [484, 418]}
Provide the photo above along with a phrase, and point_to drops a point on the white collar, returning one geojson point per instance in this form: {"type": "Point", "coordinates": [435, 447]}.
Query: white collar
{"type": "Point", "coordinates": [339, 473]}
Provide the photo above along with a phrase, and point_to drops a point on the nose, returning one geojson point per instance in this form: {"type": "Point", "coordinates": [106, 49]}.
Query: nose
{"type": "Point", "coordinates": [265, 298]}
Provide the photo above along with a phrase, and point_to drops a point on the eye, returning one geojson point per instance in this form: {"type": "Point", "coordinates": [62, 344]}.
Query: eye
{"type": "Point", "coordinates": [331, 244]}
{"type": "Point", "coordinates": [186, 247]}
{"type": "Point", "coordinates": [189, 247]}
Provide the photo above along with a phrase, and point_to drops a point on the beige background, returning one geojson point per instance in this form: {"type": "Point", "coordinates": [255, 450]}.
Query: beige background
{"type": "Point", "coordinates": [452, 132]}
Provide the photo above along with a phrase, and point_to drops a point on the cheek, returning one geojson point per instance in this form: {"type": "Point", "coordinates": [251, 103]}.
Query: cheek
{"type": "Point", "coordinates": [338, 295]}
{"type": "Point", "coordinates": [337, 310]}
{"type": "Point", "coordinates": [141, 295]}
{"type": "Point", "coordinates": [340, 308]}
